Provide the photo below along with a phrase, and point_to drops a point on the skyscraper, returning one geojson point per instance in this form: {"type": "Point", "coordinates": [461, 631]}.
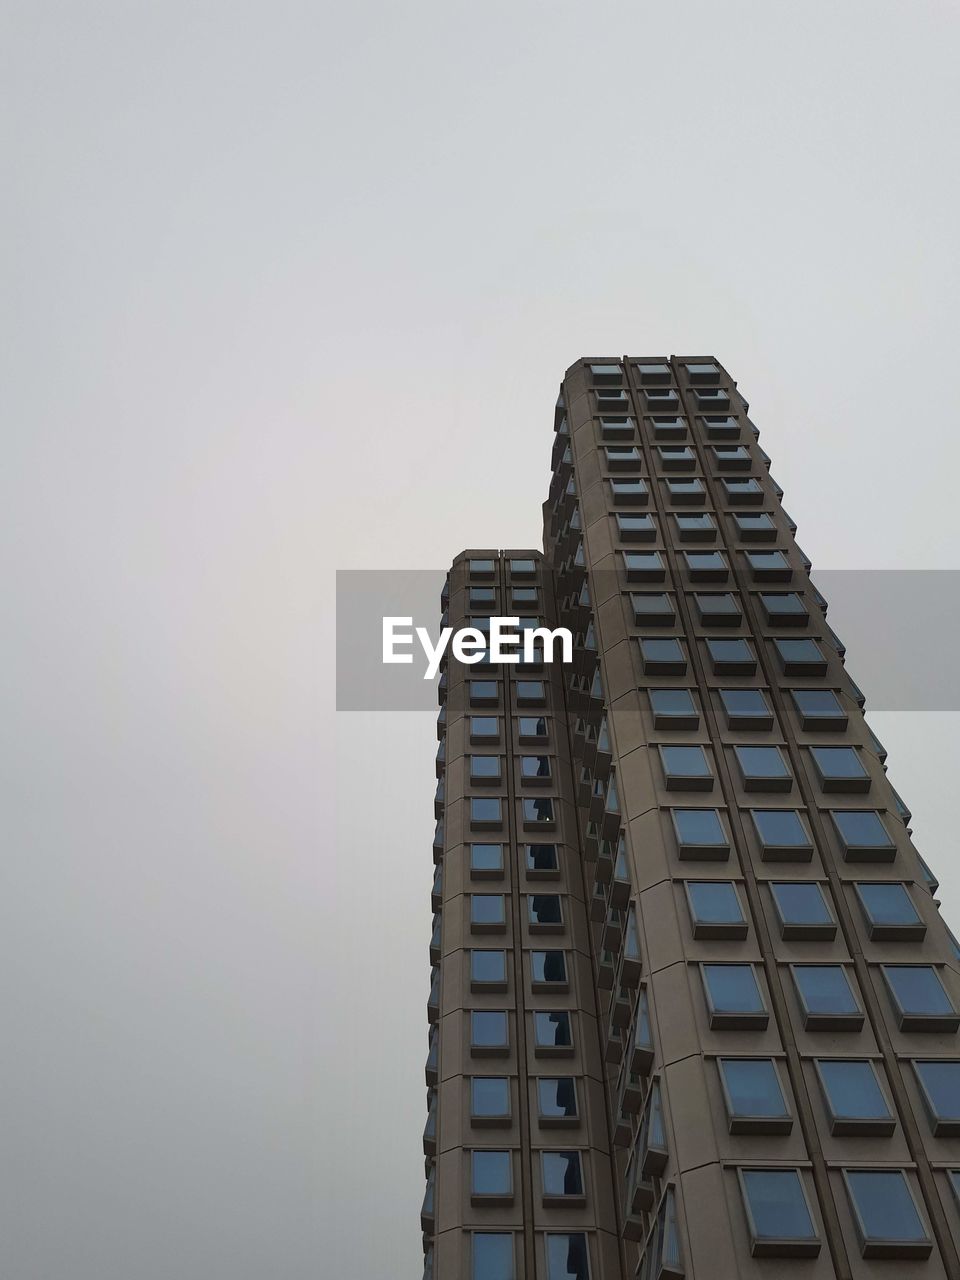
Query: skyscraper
{"type": "Point", "coordinates": [694, 1011]}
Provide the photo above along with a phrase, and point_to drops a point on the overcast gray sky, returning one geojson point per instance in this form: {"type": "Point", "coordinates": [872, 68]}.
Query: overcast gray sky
{"type": "Point", "coordinates": [289, 287]}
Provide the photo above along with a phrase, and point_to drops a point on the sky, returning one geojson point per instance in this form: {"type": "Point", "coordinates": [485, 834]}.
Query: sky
{"type": "Point", "coordinates": [289, 288]}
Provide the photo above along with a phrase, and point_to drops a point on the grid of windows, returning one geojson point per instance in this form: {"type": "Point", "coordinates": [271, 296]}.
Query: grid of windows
{"type": "Point", "coordinates": [731, 691]}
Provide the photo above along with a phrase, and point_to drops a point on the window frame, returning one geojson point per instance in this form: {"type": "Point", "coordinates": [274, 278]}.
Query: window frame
{"type": "Point", "coordinates": [734, 1020]}
{"type": "Point", "coordinates": [744, 1122]}
{"type": "Point", "coordinates": [797, 929]}
{"type": "Point", "coordinates": [842, 1125]}
{"type": "Point", "coordinates": [814, 1020]}
{"type": "Point", "coordinates": [942, 1126]}
{"type": "Point", "coordinates": [765, 1246]}
{"type": "Point", "coordinates": [911, 1020]}
{"type": "Point", "coordinates": [886, 1247]}
{"type": "Point", "coordinates": [731, 929]}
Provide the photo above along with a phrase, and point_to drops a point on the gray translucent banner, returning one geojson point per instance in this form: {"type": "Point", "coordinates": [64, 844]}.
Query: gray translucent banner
{"type": "Point", "coordinates": [900, 628]}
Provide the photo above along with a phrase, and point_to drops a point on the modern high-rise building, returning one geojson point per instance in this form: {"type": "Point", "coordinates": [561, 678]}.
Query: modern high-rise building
{"type": "Point", "coordinates": [694, 1010]}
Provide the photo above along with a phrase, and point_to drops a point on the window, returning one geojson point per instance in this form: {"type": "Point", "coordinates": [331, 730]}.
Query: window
{"type": "Point", "coordinates": [782, 835]}
{"type": "Point", "coordinates": [532, 728]}
{"type": "Point", "coordinates": [706, 566]}
{"type": "Point", "coordinates": [854, 1100]}
{"type": "Point", "coordinates": [715, 909]}
{"type": "Point", "coordinates": [819, 710]}
{"type": "Point", "coordinates": [743, 492]}
{"type": "Point", "coordinates": [553, 1032]}
{"type": "Point", "coordinates": [644, 566]}
{"type": "Point", "coordinates": [700, 834]}
{"type": "Point", "coordinates": [562, 1175]}
{"type": "Point", "coordinates": [488, 969]}
{"type": "Point", "coordinates": [542, 859]}
{"type": "Point", "coordinates": [524, 596]}
{"type": "Point", "coordinates": [800, 657]}
{"type": "Point", "coordinates": [731, 457]}
{"type": "Point", "coordinates": [676, 457]}
{"type": "Point", "coordinates": [769, 566]}
{"type": "Point", "coordinates": [489, 1098]}
{"type": "Point", "coordinates": [673, 709]}
{"type": "Point", "coordinates": [636, 527]}
{"type": "Point", "coordinates": [535, 768]}
{"type": "Point", "coordinates": [653, 373]}
{"type": "Point", "coordinates": [888, 1222]}
{"type": "Point", "coordinates": [758, 527]}
{"type": "Point", "coordinates": [840, 769]}
{"type": "Point", "coordinates": [523, 568]}
{"type": "Point", "coordinates": [606, 375]}
{"type": "Point", "coordinates": [530, 693]}
{"type": "Point", "coordinates": [485, 811]}
{"type": "Point", "coordinates": [614, 428]}
{"type": "Point", "coordinates": [492, 1256]}
{"type": "Point", "coordinates": [548, 970]}
{"type": "Point", "coordinates": [696, 527]}
{"type": "Point", "coordinates": [802, 910]}
{"type": "Point", "coordinates": [746, 709]}
{"type": "Point", "coordinates": [706, 372]}
{"type": "Point", "coordinates": [622, 457]}
{"type": "Point", "coordinates": [733, 997]}
{"type": "Point", "coordinates": [491, 1176]}
{"type": "Point", "coordinates": [481, 568]}
{"type": "Point", "coordinates": [784, 609]}
{"type": "Point", "coordinates": [484, 768]}
{"type": "Point", "coordinates": [567, 1256]}
{"type": "Point", "coordinates": [482, 727]}
{"type": "Point", "coordinates": [545, 912]}
{"type": "Point", "coordinates": [483, 693]}
{"type": "Point", "coordinates": [919, 998]}
{"type": "Point", "coordinates": [827, 1001]}
{"type": "Point", "coordinates": [719, 609]}
{"type": "Point", "coordinates": [731, 657]}
{"type": "Point", "coordinates": [630, 492]}
{"type": "Point", "coordinates": [488, 1031]}
{"type": "Point", "coordinates": [778, 1215]}
{"type": "Point", "coordinates": [940, 1088]}
{"type": "Point", "coordinates": [480, 596]}
{"type": "Point", "coordinates": [486, 860]}
{"type": "Point", "coordinates": [686, 768]}
{"type": "Point", "coordinates": [754, 1097]}
{"type": "Point", "coordinates": [687, 493]}
{"type": "Point", "coordinates": [863, 836]}
{"type": "Point", "coordinates": [487, 912]}
{"type": "Point", "coordinates": [662, 657]}
{"type": "Point", "coordinates": [889, 912]}
{"type": "Point", "coordinates": [669, 428]}
{"type": "Point", "coordinates": [662, 1259]}
{"type": "Point", "coordinates": [763, 769]}
{"type": "Point", "coordinates": [537, 813]}
{"type": "Point", "coordinates": [713, 398]}
{"type": "Point", "coordinates": [652, 609]}
{"type": "Point", "coordinates": [557, 1099]}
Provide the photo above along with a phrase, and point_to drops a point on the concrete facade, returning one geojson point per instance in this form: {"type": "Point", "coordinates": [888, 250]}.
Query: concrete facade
{"type": "Point", "coordinates": [734, 923]}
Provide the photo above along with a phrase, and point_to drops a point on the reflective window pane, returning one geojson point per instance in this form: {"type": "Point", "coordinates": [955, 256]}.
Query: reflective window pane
{"type": "Point", "coordinates": [567, 1257]}
{"type": "Point", "coordinates": [885, 1210]}
{"type": "Point", "coordinates": [940, 1088]}
{"type": "Point", "coordinates": [851, 1089]}
{"type": "Point", "coordinates": [777, 1207]}
{"type": "Point", "coordinates": [752, 1088]}
{"type": "Point", "coordinates": [489, 1096]}
{"type": "Point", "coordinates": [553, 1030]}
{"type": "Point", "coordinates": [491, 1173]}
{"type": "Point", "coordinates": [557, 1097]}
{"type": "Point", "coordinates": [562, 1173]}
{"type": "Point", "coordinates": [492, 1256]}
